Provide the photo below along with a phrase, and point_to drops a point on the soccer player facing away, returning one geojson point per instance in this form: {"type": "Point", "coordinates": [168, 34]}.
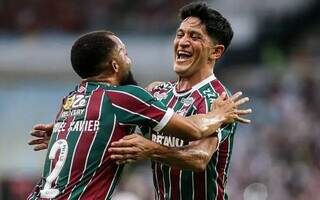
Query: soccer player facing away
{"type": "Point", "coordinates": [103, 109]}
{"type": "Point", "coordinates": [194, 170]}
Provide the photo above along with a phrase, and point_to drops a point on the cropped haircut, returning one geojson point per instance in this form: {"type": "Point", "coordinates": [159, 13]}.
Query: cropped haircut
{"type": "Point", "coordinates": [218, 28]}
{"type": "Point", "coordinates": [90, 51]}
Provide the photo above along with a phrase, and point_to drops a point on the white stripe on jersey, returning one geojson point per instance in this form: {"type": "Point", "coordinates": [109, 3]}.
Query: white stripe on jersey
{"type": "Point", "coordinates": [75, 149]}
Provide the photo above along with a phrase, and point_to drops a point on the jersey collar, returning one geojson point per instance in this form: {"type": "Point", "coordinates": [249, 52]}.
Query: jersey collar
{"type": "Point", "coordinates": [195, 87]}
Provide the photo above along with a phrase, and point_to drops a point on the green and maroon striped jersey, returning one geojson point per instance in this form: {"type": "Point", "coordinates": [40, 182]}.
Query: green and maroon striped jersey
{"type": "Point", "coordinates": [177, 184]}
{"type": "Point", "coordinates": [91, 117]}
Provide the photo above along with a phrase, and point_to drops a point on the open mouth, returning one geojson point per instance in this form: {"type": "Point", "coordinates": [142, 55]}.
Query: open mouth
{"type": "Point", "coordinates": [183, 56]}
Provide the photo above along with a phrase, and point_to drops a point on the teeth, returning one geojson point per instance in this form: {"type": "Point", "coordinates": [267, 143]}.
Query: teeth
{"type": "Point", "coordinates": [184, 53]}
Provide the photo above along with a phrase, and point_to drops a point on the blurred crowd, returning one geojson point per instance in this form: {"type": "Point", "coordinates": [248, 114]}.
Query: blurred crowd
{"type": "Point", "coordinates": [32, 16]}
{"type": "Point", "coordinates": [277, 157]}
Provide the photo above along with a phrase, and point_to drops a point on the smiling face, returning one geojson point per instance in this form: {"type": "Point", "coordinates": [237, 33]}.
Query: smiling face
{"type": "Point", "coordinates": [192, 47]}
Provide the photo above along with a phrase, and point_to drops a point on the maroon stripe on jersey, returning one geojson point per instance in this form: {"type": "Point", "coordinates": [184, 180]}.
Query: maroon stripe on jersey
{"type": "Point", "coordinates": [136, 105]}
{"type": "Point", "coordinates": [223, 149]}
{"type": "Point", "coordinates": [172, 102]}
{"type": "Point", "coordinates": [175, 183]}
{"type": "Point", "coordinates": [85, 140]}
{"type": "Point", "coordinates": [222, 162]}
{"type": "Point", "coordinates": [160, 180]}
{"type": "Point", "coordinates": [102, 180]}
{"type": "Point", "coordinates": [199, 178]}
{"type": "Point", "coordinates": [200, 102]}
{"type": "Point", "coordinates": [217, 86]}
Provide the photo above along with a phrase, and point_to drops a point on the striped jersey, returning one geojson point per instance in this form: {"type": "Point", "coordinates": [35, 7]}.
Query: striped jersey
{"type": "Point", "coordinates": [90, 119]}
{"type": "Point", "coordinates": [172, 183]}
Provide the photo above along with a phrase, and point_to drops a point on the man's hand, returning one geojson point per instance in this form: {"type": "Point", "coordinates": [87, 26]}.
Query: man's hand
{"type": "Point", "coordinates": [227, 107]}
{"type": "Point", "coordinates": [131, 148]}
{"type": "Point", "coordinates": [153, 85]}
{"type": "Point", "coordinates": [42, 132]}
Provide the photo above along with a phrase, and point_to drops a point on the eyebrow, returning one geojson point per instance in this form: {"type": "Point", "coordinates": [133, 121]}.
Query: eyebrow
{"type": "Point", "coordinates": [190, 31]}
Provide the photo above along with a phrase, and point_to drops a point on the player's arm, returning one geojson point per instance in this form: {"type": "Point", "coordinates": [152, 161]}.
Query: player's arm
{"type": "Point", "coordinates": [135, 106]}
{"type": "Point", "coordinates": [198, 126]}
{"type": "Point", "coordinates": [194, 156]}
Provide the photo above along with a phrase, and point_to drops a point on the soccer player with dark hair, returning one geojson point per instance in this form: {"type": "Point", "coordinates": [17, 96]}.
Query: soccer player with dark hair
{"type": "Point", "coordinates": [102, 109]}
{"type": "Point", "coordinates": [184, 170]}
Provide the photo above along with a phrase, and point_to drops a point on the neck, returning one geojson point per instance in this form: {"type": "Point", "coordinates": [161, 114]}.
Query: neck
{"type": "Point", "coordinates": [103, 79]}
{"type": "Point", "coordinates": [187, 82]}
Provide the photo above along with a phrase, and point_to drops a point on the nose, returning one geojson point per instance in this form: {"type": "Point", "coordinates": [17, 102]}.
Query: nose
{"type": "Point", "coordinates": [184, 41]}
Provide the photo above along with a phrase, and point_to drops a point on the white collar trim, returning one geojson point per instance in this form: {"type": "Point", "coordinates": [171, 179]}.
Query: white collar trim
{"type": "Point", "coordinates": [195, 87]}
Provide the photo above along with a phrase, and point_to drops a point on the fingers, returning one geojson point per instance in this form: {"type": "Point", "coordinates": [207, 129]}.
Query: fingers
{"type": "Point", "coordinates": [36, 141]}
{"type": "Point", "coordinates": [121, 162]}
{"type": "Point", "coordinates": [43, 127]}
{"type": "Point", "coordinates": [235, 96]}
{"type": "Point", "coordinates": [38, 133]}
{"type": "Point", "coordinates": [127, 141]}
{"type": "Point", "coordinates": [122, 150]}
{"type": "Point", "coordinates": [243, 112]}
{"type": "Point", "coordinates": [241, 101]}
{"type": "Point", "coordinates": [243, 120]}
{"type": "Point", "coordinates": [40, 147]}
{"type": "Point", "coordinates": [123, 158]}
{"type": "Point", "coordinates": [122, 143]}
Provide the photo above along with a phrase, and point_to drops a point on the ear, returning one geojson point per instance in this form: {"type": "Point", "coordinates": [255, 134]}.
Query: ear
{"type": "Point", "coordinates": [115, 66]}
{"type": "Point", "coordinates": [216, 52]}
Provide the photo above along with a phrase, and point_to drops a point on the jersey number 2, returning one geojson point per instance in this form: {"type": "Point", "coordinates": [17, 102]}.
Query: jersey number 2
{"type": "Point", "coordinates": [47, 191]}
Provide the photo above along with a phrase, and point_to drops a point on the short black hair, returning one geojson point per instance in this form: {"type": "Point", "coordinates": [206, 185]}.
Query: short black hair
{"type": "Point", "coordinates": [89, 51]}
{"type": "Point", "coordinates": [217, 26]}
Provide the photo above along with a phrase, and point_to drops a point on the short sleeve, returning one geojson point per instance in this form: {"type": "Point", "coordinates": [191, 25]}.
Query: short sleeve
{"type": "Point", "coordinates": [133, 105]}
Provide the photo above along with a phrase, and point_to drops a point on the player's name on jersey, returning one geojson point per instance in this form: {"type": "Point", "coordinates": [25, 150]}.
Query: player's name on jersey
{"type": "Point", "coordinates": [167, 140]}
{"type": "Point", "coordinates": [83, 125]}
{"type": "Point", "coordinates": [75, 112]}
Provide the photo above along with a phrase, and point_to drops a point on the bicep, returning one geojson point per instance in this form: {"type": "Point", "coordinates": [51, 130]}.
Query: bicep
{"type": "Point", "coordinates": [182, 127]}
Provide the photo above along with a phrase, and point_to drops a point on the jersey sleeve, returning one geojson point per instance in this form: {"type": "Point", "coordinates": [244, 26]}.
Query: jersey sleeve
{"type": "Point", "coordinates": [135, 106]}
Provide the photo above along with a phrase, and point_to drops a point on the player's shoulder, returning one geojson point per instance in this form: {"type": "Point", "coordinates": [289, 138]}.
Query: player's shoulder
{"type": "Point", "coordinates": [131, 90]}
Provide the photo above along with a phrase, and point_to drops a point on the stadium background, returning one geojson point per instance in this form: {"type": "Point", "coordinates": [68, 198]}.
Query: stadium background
{"type": "Point", "coordinates": [274, 58]}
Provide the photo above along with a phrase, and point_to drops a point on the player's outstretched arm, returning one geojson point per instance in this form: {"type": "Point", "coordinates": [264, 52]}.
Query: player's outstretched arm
{"type": "Point", "coordinates": [42, 134]}
{"type": "Point", "coordinates": [194, 156]}
{"type": "Point", "coordinates": [224, 110]}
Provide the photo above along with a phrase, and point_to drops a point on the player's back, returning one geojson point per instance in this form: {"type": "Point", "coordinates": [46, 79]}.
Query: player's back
{"type": "Point", "coordinates": [91, 117]}
{"type": "Point", "coordinates": [84, 127]}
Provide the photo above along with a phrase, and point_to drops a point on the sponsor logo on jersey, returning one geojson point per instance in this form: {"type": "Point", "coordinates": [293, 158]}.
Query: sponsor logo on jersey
{"type": "Point", "coordinates": [159, 96]}
{"type": "Point", "coordinates": [75, 112]}
{"type": "Point", "coordinates": [167, 140]}
{"type": "Point", "coordinates": [187, 101]}
{"type": "Point", "coordinates": [75, 102]}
